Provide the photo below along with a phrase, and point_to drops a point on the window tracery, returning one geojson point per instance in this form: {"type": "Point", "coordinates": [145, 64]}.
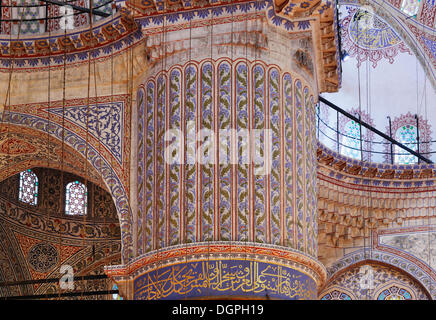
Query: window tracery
{"type": "Point", "coordinates": [28, 190]}
{"type": "Point", "coordinates": [350, 146]}
{"type": "Point", "coordinates": [116, 296]}
{"type": "Point", "coordinates": [350, 136]}
{"type": "Point", "coordinates": [76, 199]}
{"type": "Point", "coordinates": [404, 129]}
{"type": "Point", "coordinates": [336, 295]}
{"type": "Point", "coordinates": [394, 293]}
{"type": "Point", "coordinates": [407, 135]}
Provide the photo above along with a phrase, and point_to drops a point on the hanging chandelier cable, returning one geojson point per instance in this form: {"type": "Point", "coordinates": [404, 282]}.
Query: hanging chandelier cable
{"type": "Point", "coordinates": [211, 157]}
{"type": "Point", "coordinates": [162, 100]}
{"type": "Point", "coordinates": [130, 106]}
{"type": "Point", "coordinates": [63, 197]}
{"type": "Point", "coordinates": [112, 134]}
{"type": "Point", "coordinates": [7, 103]}
{"type": "Point", "coordinates": [92, 209]}
{"type": "Point", "coordinates": [185, 162]}
{"type": "Point", "coordinates": [361, 200]}
{"type": "Point", "coordinates": [48, 213]}
{"type": "Point", "coordinates": [87, 197]}
{"type": "Point", "coordinates": [370, 195]}
{"type": "Point", "coordinates": [232, 124]}
{"type": "Point", "coordinates": [428, 149]}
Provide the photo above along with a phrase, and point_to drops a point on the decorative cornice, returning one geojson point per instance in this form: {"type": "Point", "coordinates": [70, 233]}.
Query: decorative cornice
{"type": "Point", "coordinates": [375, 174]}
{"type": "Point", "coordinates": [65, 227]}
{"type": "Point", "coordinates": [321, 18]}
{"type": "Point", "coordinates": [108, 38]}
{"type": "Point", "coordinates": [218, 250]}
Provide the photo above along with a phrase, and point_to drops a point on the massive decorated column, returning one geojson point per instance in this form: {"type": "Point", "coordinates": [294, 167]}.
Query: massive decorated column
{"type": "Point", "coordinates": [226, 158]}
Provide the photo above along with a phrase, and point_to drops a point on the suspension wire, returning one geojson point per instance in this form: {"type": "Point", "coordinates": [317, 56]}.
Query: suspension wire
{"type": "Point", "coordinates": [210, 237]}
{"type": "Point", "coordinates": [92, 192]}
{"type": "Point", "coordinates": [111, 134]}
{"type": "Point", "coordinates": [247, 200]}
{"type": "Point", "coordinates": [185, 148]}
{"type": "Point", "coordinates": [368, 111]}
{"type": "Point", "coordinates": [428, 210]}
{"type": "Point", "coordinates": [428, 67]}
{"type": "Point", "coordinates": [111, 175]}
{"type": "Point", "coordinates": [232, 75]}
{"type": "Point", "coordinates": [86, 169]}
{"type": "Point", "coordinates": [163, 101]}
{"type": "Point", "coordinates": [130, 94]}
{"type": "Point", "coordinates": [48, 213]}
{"type": "Point", "coordinates": [109, 284]}
{"type": "Point", "coordinates": [361, 195]}
{"type": "Point", "coordinates": [63, 146]}
{"type": "Point", "coordinates": [7, 105]}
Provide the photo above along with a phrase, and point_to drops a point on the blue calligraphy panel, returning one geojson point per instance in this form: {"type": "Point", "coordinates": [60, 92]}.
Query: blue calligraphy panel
{"type": "Point", "coordinates": [224, 278]}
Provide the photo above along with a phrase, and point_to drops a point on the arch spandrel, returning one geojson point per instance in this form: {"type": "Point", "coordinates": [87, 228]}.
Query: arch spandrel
{"type": "Point", "coordinates": [368, 273]}
{"type": "Point", "coordinates": [64, 146]}
{"type": "Point", "coordinates": [22, 148]}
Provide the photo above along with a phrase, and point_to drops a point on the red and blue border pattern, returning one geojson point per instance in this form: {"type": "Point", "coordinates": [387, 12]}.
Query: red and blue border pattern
{"type": "Point", "coordinates": [152, 266]}
{"type": "Point", "coordinates": [112, 37]}
{"type": "Point", "coordinates": [113, 176]}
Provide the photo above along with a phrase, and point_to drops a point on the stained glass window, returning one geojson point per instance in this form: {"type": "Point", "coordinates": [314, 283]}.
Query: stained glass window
{"type": "Point", "coordinates": [116, 296]}
{"type": "Point", "coordinates": [28, 191]}
{"type": "Point", "coordinates": [351, 140]}
{"type": "Point", "coordinates": [76, 199]}
{"type": "Point", "coordinates": [407, 136]}
{"type": "Point", "coordinates": [410, 7]}
{"type": "Point", "coordinates": [336, 295]}
{"type": "Point", "coordinates": [394, 293]}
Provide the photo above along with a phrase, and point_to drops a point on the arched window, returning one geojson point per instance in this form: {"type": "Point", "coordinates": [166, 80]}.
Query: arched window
{"type": "Point", "coordinates": [404, 129]}
{"type": "Point", "coordinates": [350, 146]}
{"type": "Point", "coordinates": [394, 293]}
{"type": "Point", "coordinates": [407, 136]}
{"type": "Point", "coordinates": [76, 199]}
{"type": "Point", "coordinates": [336, 295]}
{"type": "Point", "coordinates": [28, 191]}
{"type": "Point", "coordinates": [116, 296]}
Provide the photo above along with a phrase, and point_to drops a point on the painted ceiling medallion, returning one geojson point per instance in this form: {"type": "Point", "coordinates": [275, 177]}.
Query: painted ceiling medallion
{"type": "Point", "coordinates": [42, 257]}
{"type": "Point", "coordinates": [14, 146]}
{"type": "Point", "coordinates": [366, 37]}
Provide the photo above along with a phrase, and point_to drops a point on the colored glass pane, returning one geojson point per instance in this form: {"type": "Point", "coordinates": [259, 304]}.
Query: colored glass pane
{"type": "Point", "coordinates": [336, 295]}
{"type": "Point", "coordinates": [410, 7]}
{"type": "Point", "coordinates": [116, 296]}
{"type": "Point", "coordinates": [351, 140]}
{"type": "Point", "coordinates": [28, 191]}
{"type": "Point", "coordinates": [76, 199]}
{"type": "Point", "coordinates": [407, 136]}
{"type": "Point", "coordinates": [394, 293]}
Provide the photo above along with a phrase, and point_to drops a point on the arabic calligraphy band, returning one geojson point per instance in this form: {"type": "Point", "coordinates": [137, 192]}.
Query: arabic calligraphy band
{"type": "Point", "coordinates": [224, 278]}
